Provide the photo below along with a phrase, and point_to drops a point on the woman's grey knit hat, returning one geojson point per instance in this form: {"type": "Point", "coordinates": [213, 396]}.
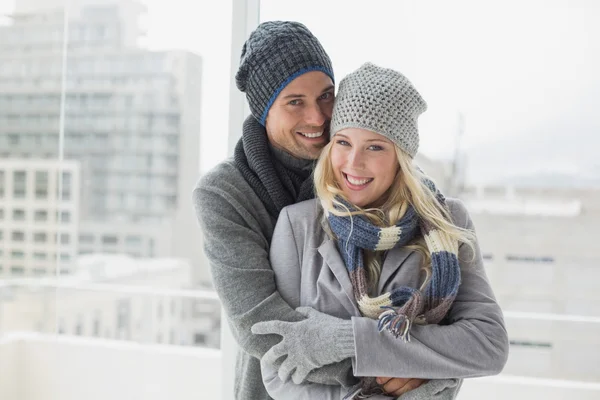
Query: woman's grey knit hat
{"type": "Point", "coordinates": [380, 100]}
{"type": "Point", "coordinates": [275, 54]}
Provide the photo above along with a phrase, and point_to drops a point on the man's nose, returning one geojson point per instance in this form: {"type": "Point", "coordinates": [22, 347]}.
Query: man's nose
{"type": "Point", "coordinates": [315, 116]}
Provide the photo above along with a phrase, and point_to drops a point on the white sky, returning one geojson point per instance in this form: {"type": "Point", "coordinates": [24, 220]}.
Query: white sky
{"type": "Point", "coordinates": [523, 72]}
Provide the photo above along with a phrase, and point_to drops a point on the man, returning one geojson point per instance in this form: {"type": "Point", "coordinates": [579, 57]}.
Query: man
{"type": "Point", "coordinates": [289, 84]}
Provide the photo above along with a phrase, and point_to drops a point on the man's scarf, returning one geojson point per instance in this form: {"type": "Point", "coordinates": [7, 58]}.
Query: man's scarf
{"type": "Point", "coordinates": [275, 184]}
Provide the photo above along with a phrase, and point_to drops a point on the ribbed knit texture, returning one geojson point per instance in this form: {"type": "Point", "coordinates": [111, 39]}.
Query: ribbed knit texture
{"type": "Point", "coordinates": [399, 309]}
{"type": "Point", "coordinates": [275, 183]}
{"type": "Point", "coordinates": [380, 100]}
{"type": "Point", "coordinates": [276, 53]}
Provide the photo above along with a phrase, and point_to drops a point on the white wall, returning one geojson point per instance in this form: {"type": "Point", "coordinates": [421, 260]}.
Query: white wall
{"type": "Point", "coordinates": [10, 367]}
{"type": "Point", "coordinates": [68, 368]}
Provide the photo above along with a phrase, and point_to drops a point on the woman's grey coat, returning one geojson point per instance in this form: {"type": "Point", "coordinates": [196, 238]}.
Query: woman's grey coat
{"type": "Point", "coordinates": [309, 271]}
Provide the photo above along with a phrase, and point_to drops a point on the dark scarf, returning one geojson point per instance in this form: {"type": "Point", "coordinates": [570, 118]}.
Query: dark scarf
{"type": "Point", "coordinates": [277, 179]}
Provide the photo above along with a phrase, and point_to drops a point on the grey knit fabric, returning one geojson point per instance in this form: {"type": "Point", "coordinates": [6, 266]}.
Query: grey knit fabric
{"type": "Point", "coordinates": [276, 53]}
{"type": "Point", "coordinates": [380, 100]}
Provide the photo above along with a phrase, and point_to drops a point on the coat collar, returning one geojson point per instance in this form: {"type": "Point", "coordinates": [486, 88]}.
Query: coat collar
{"type": "Point", "coordinates": [332, 257]}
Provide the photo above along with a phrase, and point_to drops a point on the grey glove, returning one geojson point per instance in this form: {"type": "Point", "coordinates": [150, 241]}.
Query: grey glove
{"type": "Point", "coordinates": [308, 344]}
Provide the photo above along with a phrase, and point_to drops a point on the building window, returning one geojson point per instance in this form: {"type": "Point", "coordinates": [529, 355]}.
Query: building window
{"type": "Point", "coordinates": [1, 214]}
{"type": "Point", "coordinates": [96, 323]}
{"type": "Point", "coordinates": [79, 325]}
{"type": "Point", "coordinates": [41, 215]}
{"type": "Point", "coordinates": [18, 236]}
{"type": "Point", "coordinates": [17, 254]}
{"type": "Point", "coordinates": [19, 184]}
{"type": "Point", "coordinates": [18, 215]}
{"type": "Point", "coordinates": [41, 184]}
{"type": "Point", "coordinates": [488, 257]}
{"type": "Point", "coordinates": [530, 259]}
{"type": "Point", "coordinates": [39, 271]}
{"type": "Point", "coordinates": [65, 257]}
{"type": "Point", "coordinates": [2, 184]}
{"type": "Point", "coordinates": [17, 270]}
{"type": "Point", "coordinates": [110, 240]}
{"type": "Point", "coordinates": [526, 343]}
{"type": "Point", "coordinates": [40, 256]}
{"type": "Point", "coordinates": [86, 239]}
{"type": "Point", "coordinates": [65, 238]}
{"type": "Point", "coordinates": [40, 237]}
{"type": "Point", "coordinates": [133, 241]}
{"type": "Point", "coordinates": [199, 339]}
{"type": "Point", "coordinates": [64, 216]}
{"type": "Point", "coordinates": [66, 186]}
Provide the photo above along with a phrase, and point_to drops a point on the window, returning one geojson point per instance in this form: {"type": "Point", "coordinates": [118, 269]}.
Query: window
{"type": "Point", "coordinates": [109, 240]}
{"type": "Point", "coordinates": [40, 237]}
{"type": "Point", "coordinates": [17, 254]}
{"type": "Point", "coordinates": [66, 186]}
{"type": "Point", "coordinates": [79, 325]}
{"type": "Point", "coordinates": [65, 238]}
{"type": "Point", "coordinates": [86, 239]}
{"type": "Point", "coordinates": [40, 216]}
{"type": "Point", "coordinates": [19, 184]}
{"type": "Point", "coordinates": [17, 270]}
{"type": "Point", "coordinates": [39, 271]}
{"type": "Point", "coordinates": [18, 215]}
{"type": "Point", "coordinates": [65, 216]}
{"type": "Point", "coordinates": [133, 240]}
{"type": "Point", "coordinates": [41, 184]}
{"type": "Point", "coordinates": [18, 236]}
{"type": "Point", "coordinates": [96, 324]}
{"type": "Point", "coordinates": [2, 177]}
{"type": "Point", "coordinates": [531, 259]}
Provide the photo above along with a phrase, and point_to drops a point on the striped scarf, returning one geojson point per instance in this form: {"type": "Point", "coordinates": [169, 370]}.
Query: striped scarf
{"type": "Point", "coordinates": [399, 309]}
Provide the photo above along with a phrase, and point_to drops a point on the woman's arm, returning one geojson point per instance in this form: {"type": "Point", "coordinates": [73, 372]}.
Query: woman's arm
{"type": "Point", "coordinates": [474, 343]}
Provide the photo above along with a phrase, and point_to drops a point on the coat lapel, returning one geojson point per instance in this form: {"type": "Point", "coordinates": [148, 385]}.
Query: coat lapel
{"type": "Point", "coordinates": [393, 261]}
{"type": "Point", "coordinates": [330, 253]}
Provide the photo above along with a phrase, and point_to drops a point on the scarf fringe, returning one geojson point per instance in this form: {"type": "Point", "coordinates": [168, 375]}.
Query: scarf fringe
{"type": "Point", "coordinates": [397, 324]}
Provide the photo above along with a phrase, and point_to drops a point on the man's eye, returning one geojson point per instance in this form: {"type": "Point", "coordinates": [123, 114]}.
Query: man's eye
{"type": "Point", "coordinates": [294, 102]}
{"type": "Point", "coordinates": [326, 96]}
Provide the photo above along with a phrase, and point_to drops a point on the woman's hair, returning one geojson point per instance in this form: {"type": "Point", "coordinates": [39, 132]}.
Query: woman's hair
{"type": "Point", "coordinates": [408, 189]}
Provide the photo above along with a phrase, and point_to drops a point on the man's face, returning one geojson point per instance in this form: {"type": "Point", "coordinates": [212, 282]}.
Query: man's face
{"type": "Point", "coordinates": [298, 120]}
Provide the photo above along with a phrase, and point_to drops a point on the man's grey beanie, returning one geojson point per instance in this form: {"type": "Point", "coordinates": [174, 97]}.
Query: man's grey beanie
{"type": "Point", "coordinates": [380, 100]}
{"type": "Point", "coordinates": [275, 54]}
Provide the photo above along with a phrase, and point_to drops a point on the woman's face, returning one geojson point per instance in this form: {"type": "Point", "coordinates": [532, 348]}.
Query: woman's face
{"type": "Point", "coordinates": [364, 164]}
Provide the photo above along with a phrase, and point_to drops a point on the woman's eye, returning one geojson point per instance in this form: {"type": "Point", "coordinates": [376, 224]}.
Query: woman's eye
{"type": "Point", "coordinates": [375, 148]}
{"type": "Point", "coordinates": [343, 142]}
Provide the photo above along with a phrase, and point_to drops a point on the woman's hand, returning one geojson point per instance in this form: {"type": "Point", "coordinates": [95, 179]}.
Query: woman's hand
{"type": "Point", "coordinates": [398, 386]}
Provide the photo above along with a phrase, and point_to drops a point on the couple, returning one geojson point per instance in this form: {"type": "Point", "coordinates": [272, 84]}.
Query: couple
{"type": "Point", "coordinates": [373, 289]}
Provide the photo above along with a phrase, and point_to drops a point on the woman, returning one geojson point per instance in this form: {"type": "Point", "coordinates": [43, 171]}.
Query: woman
{"type": "Point", "coordinates": [390, 269]}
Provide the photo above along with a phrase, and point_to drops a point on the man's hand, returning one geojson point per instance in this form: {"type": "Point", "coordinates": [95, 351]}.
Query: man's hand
{"type": "Point", "coordinates": [398, 386]}
{"type": "Point", "coordinates": [319, 340]}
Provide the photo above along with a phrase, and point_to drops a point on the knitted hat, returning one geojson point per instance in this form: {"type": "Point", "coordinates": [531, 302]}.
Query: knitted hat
{"type": "Point", "coordinates": [379, 100]}
{"type": "Point", "coordinates": [275, 54]}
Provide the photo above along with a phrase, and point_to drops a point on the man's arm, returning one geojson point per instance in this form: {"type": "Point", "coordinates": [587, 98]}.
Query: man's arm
{"type": "Point", "coordinates": [238, 254]}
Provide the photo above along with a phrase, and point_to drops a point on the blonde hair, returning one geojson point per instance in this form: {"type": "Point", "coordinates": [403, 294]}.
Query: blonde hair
{"type": "Point", "coordinates": [407, 189]}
